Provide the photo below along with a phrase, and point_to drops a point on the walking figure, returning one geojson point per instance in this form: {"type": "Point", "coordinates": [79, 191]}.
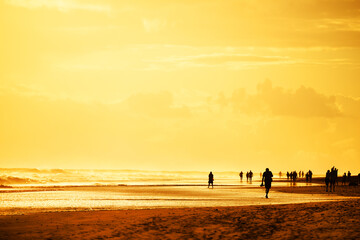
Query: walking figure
{"type": "Point", "coordinates": [344, 179]}
{"type": "Point", "coordinates": [327, 180]}
{"type": "Point", "coordinates": [241, 175]}
{"type": "Point", "coordinates": [267, 177]}
{"type": "Point", "coordinates": [211, 180]}
{"type": "Point", "coordinates": [333, 178]}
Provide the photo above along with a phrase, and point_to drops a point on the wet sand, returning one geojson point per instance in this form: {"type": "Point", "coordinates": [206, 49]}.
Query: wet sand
{"type": "Point", "coordinates": [321, 220]}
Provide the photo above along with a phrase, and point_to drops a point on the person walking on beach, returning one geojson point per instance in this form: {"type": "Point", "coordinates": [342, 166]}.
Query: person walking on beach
{"type": "Point", "coordinates": [294, 176]}
{"type": "Point", "coordinates": [267, 178]}
{"type": "Point", "coordinates": [250, 176]}
{"type": "Point", "coordinates": [344, 179]}
{"type": "Point", "coordinates": [333, 178]}
{"type": "Point", "coordinates": [211, 180]}
{"type": "Point", "coordinates": [241, 175]}
{"type": "Point", "coordinates": [327, 180]}
{"type": "Point", "coordinates": [349, 176]}
{"type": "Point", "coordinates": [310, 175]}
{"type": "Point", "coordinates": [287, 175]}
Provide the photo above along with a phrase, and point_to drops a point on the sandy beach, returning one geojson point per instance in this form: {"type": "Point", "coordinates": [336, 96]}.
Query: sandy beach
{"type": "Point", "coordinates": [317, 220]}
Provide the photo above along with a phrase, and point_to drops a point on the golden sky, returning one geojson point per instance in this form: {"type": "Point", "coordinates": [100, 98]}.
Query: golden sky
{"type": "Point", "coordinates": [180, 85]}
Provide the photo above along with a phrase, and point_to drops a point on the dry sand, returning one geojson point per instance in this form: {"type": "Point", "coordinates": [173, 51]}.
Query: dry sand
{"type": "Point", "coordinates": [323, 220]}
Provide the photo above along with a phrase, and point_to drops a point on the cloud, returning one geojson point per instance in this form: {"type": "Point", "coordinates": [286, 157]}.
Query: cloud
{"type": "Point", "coordinates": [303, 102]}
{"type": "Point", "coordinates": [61, 5]}
{"type": "Point", "coordinates": [153, 25]}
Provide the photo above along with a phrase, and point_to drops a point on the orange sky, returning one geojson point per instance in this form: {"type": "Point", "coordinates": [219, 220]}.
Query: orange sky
{"type": "Point", "coordinates": [180, 85]}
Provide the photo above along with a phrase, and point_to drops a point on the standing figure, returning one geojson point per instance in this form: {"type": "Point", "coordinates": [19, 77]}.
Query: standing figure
{"type": "Point", "coordinates": [344, 179]}
{"type": "Point", "coordinates": [294, 176]}
{"type": "Point", "coordinates": [310, 175]}
{"type": "Point", "coordinates": [247, 176]}
{"type": "Point", "coordinates": [267, 177]}
{"type": "Point", "coordinates": [333, 176]}
{"type": "Point", "coordinates": [241, 175]}
{"type": "Point", "coordinates": [287, 175]}
{"type": "Point", "coordinates": [280, 174]}
{"type": "Point", "coordinates": [250, 176]}
{"type": "Point", "coordinates": [211, 180]}
{"type": "Point", "coordinates": [327, 180]}
{"type": "Point", "coordinates": [349, 176]}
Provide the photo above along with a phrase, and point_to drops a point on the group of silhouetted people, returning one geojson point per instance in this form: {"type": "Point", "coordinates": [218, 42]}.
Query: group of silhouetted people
{"type": "Point", "coordinates": [249, 176]}
{"type": "Point", "coordinates": [331, 179]}
{"type": "Point", "coordinates": [294, 175]}
{"type": "Point", "coordinates": [266, 179]}
{"type": "Point", "coordinates": [346, 178]}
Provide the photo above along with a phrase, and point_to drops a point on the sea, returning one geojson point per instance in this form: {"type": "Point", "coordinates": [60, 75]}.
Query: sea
{"type": "Point", "coordinates": [26, 191]}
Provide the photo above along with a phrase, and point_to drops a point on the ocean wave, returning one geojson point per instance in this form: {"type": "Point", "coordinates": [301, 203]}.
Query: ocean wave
{"type": "Point", "coordinates": [6, 180]}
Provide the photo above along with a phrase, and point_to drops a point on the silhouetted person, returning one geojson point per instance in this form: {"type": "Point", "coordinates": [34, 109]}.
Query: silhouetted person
{"type": "Point", "coordinates": [302, 174]}
{"type": "Point", "coordinates": [349, 176]}
{"type": "Point", "coordinates": [333, 178]}
{"type": "Point", "coordinates": [211, 180]}
{"type": "Point", "coordinates": [241, 175]}
{"type": "Point", "coordinates": [251, 176]}
{"type": "Point", "coordinates": [247, 176]}
{"type": "Point", "coordinates": [310, 175]}
{"type": "Point", "coordinates": [267, 177]}
{"type": "Point", "coordinates": [291, 176]}
{"type": "Point", "coordinates": [287, 175]}
{"type": "Point", "coordinates": [344, 179]}
{"type": "Point", "coordinates": [280, 174]}
{"type": "Point", "coordinates": [327, 180]}
{"type": "Point", "coordinates": [295, 176]}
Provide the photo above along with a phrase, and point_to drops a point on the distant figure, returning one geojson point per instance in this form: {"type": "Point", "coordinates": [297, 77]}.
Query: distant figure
{"type": "Point", "coordinates": [349, 176]}
{"type": "Point", "coordinates": [302, 174]}
{"type": "Point", "coordinates": [267, 177]}
{"type": "Point", "coordinates": [247, 176]}
{"type": "Point", "coordinates": [287, 175]}
{"type": "Point", "coordinates": [291, 176]}
{"type": "Point", "coordinates": [344, 179]}
{"type": "Point", "coordinates": [294, 176]}
{"type": "Point", "coordinates": [241, 175]}
{"type": "Point", "coordinates": [211, 180]}
{"type": "Point", "coordinates": [310, 175]}
{"type": "Point", "coordinates": [333, 178]}
{"type": "Point", "coordinates": [251, 176]}
{"type": "Point", "coordinates": [280, 174]}
{"type": "Point", "coordinates": [327, 180]}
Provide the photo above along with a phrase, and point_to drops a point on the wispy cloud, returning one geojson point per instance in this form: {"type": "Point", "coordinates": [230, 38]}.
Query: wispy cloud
{"type": "Point", "coordinates": [61, 5]}
{"type": "Point", "coordinates": [153, 25]}
{"type": "Point", "coordinates": [230, 60]}
{"type": "Point", "coordinates": [338, 24]}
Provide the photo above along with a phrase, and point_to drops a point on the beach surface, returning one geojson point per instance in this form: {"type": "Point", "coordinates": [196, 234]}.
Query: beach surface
{"type": "Point", "coordinates": [337, 219]}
